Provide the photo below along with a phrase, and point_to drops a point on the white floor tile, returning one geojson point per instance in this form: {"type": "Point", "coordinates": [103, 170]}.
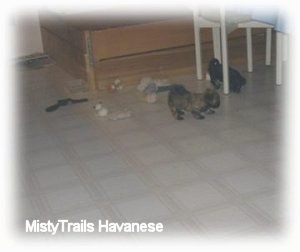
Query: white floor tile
{"type": "Point", "coordinates": [177, 130]}
{"type": "Point", "coordinates": [263, 151]}
{"type": "Point", "coordinates": [92, 147]}
{"type": "Point", "coordinates": [230, 220]}
{"type": "Point", "coordinates": [122, 126]}
{"type": "Point", "coordinates": [69, 121]}
{"type": "Point", "coordinates": [76, 135]}
{"type": "Point", "coordinates": [55, 176]}
{"type": "Point", "coordinates": [135, 139]}
{"type": "Point", "coordinates": [198, 144]}
{"type": "Point", "coordinates": [106, 165]}
{"type": "Point", "coordinates": [240, 135]}
{"type": "Point", "coordinates": [248, 181]}
{"type": "Point", "coordinates": [154, 154]}
{"type": "Point", "coordinates": [173, 173]}
{"type": "Point", "coordinates": [28, 209]}
{"type": "Point", "coordinates": [176, 228]}
{"type": "Point", "coordinates": [270, 205]}
{"type": "Point", "coordinates": [158, 118]}
{"type": "Point", "coordinates": [222, 162]}
{"type": "Point", "coordinates": [147, 208]}
{"type": "Point", "coordinates": [68, 198]}
{"type": "Point", "coordinates": [39, 142]}
{"type": "Point", "coordinates": [237, 148]}
{"type": "Point", "coordinates": [34, 128]}
{"type": "Point", "coordinates": [121, 186]}
{"type": "Point", "coordinates": [91, 214]}
{"type": "Point", "coordinates": [197, 196]}
{"type": "Point", "coordinates": [47, 157]}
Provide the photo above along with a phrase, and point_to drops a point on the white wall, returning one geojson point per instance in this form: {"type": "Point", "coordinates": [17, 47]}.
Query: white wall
{"type": "Point", "coordinates": [26, 33]}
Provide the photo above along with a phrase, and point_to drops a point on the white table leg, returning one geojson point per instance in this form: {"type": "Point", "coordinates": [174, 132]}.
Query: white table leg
{"type": "Point", "coordinates": [217, 43]}
{"type": "Point", "coordinates": [279, 59]}
{"type": "Point", "coordinates": [249, 49]}
{"type": "Point", "coordinates": [224, 52]}
{"type": "Point", "coordinates": [268, 45]}
{"type": "Point", "coordinates": [285, 47]}
{"type": "Point", "coordinates": [197, 45]}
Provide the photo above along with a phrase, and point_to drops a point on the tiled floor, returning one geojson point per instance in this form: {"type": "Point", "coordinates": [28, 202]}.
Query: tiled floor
{"type": "Point", "coordinates": [218, 175]}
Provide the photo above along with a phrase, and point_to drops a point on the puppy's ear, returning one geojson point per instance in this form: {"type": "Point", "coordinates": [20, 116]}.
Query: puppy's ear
{"type": "Point", "coordinates": [215, 62]}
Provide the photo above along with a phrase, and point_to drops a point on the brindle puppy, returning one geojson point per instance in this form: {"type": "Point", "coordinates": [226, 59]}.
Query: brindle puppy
{"type": "Point", "coordinates": [181, 100]}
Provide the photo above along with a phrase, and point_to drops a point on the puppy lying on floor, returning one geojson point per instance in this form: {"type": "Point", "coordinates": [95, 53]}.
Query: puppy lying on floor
{"type": "Point", "coordinates": [236, 80]}
{"type": "Point", "coordinates": [181, 100]}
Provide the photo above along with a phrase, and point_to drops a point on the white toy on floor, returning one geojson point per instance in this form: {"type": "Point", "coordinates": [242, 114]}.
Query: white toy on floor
{"type": "Point", "coordinates": [119, 115]}
{"type": "Point", "coordinates": [115, 86]}
{"type": "Point", "coordinates": [101, 111]}
{"type": "Point", "coordinates": [150, 87]}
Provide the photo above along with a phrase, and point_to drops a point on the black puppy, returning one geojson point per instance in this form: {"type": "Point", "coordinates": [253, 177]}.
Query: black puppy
{"type": "Point", "coordinates": [236, 80]}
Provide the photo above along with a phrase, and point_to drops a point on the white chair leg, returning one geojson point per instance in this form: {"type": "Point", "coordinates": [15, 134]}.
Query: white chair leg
{"type": "Point", "coordinates": [285, 47]}
{"type": "Point", "coordinates": [197, 46]}
{"type": "Point", "coordinates": [224, 52]}
{"type": "Point", "coordinates": [249, 49]}
{"type": "Point", "coordinates": [268, 45]}
{"type": "Point", "coordinates": [279, 42]}
{"type": "Point", "coordinates": [217, 42]}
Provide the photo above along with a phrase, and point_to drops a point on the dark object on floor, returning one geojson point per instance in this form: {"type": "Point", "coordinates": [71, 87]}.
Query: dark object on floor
{"type": "Point", "coordinates": [236, 80]}
{"type": "Point", "coordinates": [34, 61]}
{"type": "Point", "coordinates": [153, 88]}
{"type": "Point", "coordinates": [164, 88]}
{"type": "Point", "coordinates": [64, 102]}
{"type": "Point", "coordinates": [181, 100]}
